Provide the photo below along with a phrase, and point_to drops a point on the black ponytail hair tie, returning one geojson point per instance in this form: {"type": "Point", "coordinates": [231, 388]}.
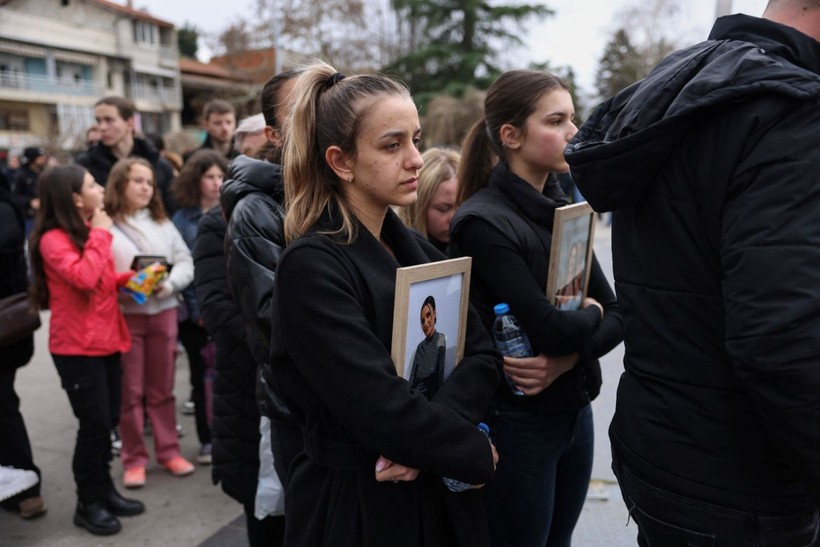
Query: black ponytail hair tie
{"type": "Point", "coordinates": [334, 79]}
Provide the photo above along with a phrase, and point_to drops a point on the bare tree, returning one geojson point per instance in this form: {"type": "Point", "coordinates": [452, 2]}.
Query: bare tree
{"type": "Point", "coordinates": [653, 28]}
{"type": "Point", "coordinates": [236, 38]}
{"type": "Point", "coordinates": [352, 34]}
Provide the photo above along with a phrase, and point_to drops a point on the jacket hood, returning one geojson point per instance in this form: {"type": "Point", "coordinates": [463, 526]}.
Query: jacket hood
{"type": "Point", "coordinates": [620, 149]}
{"type": "Point", "coordinates": [246, 176]}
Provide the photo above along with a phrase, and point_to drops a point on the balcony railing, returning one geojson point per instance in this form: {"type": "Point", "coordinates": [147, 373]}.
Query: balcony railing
{"type": "Point", "coordinates": [46, 84]}
{"type": "Point", "coordinates": [156, 94]}
{"type": "Point", "coordinates": [168, 53]}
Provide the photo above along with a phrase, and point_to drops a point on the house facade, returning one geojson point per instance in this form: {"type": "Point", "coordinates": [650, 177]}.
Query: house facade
{"type": "Point", "coordinates": [58, 57]}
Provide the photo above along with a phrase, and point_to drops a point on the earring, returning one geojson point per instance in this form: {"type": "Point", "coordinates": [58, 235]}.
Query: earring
{"type": "Point", "coordinates": [350, 180]}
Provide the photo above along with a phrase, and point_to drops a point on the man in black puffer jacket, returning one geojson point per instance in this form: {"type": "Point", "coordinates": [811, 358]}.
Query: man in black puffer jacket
{"type": "Point", "coordinates": [710, 166]}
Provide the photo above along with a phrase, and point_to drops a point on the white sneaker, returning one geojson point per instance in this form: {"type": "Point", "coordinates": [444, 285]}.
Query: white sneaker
{"type": "Point", "coordinates": [188, 408]}
{"type": "Point", "coordinates": [13, 481]}
{"type": "Point", "coordinates": [116, 443]}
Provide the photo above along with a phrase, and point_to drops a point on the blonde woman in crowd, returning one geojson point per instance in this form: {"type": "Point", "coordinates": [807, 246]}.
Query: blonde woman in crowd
{"type": "Point", "coordinates": [430, 215]}
{"type": "Point", "coordinates": [375, 448]}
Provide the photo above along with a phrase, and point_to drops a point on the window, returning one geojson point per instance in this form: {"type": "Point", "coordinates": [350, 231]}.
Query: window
{"type": "Point", "coordinates": [72, 73]}
{"type": "Point", "coordinates": [145, 33]}
{"type": "Point", "coordinates": [11, 72]}
{"type": "Point", "coordinates": [14, 120]}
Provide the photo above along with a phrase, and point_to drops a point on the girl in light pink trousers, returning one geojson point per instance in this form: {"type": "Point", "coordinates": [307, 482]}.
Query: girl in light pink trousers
{"type": "Point", "coordinates": [142, 228]}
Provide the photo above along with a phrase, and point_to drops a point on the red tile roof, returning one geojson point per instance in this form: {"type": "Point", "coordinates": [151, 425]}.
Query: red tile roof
{"type": "Point", "coordinates": [192, 66]}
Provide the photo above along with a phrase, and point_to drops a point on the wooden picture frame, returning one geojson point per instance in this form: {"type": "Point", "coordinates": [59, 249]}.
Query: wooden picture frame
{"type": "Point", "coordinates": [573, 235]}
{"type": "Point", "coordinates": [448, 283]}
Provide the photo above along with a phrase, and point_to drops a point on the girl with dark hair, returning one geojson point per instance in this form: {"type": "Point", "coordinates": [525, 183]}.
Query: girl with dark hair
{"type": "Point", "coordinates": [74, 276]}
{"type": "Point", "coordinates": [196, 189]}
{"type": "Point", "coordinates": [141, 228]}
{"type": "Point", "coordinates": [375, 448]}
{"type": "Point", "coordinates": [508, 196]}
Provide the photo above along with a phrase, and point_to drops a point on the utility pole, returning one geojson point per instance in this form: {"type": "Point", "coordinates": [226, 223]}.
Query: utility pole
{"type": "Point", "coordinates": [723, 7]}
{"type": "Point", "coordinates": [276, 29]}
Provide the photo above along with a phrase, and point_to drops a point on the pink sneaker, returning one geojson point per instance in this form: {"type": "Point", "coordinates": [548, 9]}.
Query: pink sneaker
{"type": "Point", "coordinates": [179, 466]}
{"type": "Point", "coordinates": [134, 477]}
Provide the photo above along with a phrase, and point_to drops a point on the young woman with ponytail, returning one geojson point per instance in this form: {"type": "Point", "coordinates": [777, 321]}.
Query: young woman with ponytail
{"type": "Point", "coordinates": [375, 449]}
{"type": "Point", "coordinates": [508, 196]}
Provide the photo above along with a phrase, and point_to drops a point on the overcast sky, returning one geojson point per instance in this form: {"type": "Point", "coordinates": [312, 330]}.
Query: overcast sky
{"type": "Point", "coordinates": [575, 36]}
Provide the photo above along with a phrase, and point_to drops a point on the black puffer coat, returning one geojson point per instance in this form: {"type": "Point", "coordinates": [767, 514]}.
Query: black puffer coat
{"type": "Point", "coordinates": [235, 426]}
{"type": "Point", "coordinates": [252, 201]}
{"type": "Point", "coordinates": [711, 167]}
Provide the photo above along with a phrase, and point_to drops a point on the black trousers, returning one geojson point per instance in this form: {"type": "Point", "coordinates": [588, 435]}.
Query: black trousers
{"type": "Point", "coordinates": [193, 339]}
{"type": "Point", "coordinates": [268, 532]}
{"type": "Point", "coordinates": [669, 519]}
{"type": "Point", "coordinates": [93, 385]}
{"type": "Point", "coordinates": [15, 447]}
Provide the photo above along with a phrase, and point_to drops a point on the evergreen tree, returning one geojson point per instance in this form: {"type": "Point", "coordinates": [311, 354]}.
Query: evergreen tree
{"type": "Point", "coordinates": [451, 45]}
{"type": "Point", "coordinates": [620, 66]}
{"type": "Point", "coordinates": [187, 40]}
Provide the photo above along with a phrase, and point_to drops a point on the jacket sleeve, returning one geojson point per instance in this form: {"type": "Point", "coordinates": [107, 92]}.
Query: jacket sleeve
{"type": "Point", "coordinates": [771, 285]}
{"type": "Point", "coordinates": [253, 250]}
{"type": "Point", "coordinates": [498, 264]}
{"type": "Point", "coordinates": [165, 178]}
{"type": "Point", "coordinates": [210, 274]}
{"type": "Point", "coordinates": [188, 231]}
{"type": "Point", "coordinates": [610, 331]}
{"type": "Point", "coordinates": [20, 196]}
{"type": "Point", "coordinates": [82, 270]}
{"type": "Point", "coordinates": [351, 372]}
{"type": "Point", "coordinates": [182, 274]}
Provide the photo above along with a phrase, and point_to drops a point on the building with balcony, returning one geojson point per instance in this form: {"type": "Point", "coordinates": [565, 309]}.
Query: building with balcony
{"type": "Point", "coordinates": [58, 57]}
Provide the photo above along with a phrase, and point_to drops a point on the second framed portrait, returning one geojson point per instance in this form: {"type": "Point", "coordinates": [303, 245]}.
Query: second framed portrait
{"type": "Point", "coordinates": [429, 321]}
{"type": "Point", "coordinates": [572, 238]}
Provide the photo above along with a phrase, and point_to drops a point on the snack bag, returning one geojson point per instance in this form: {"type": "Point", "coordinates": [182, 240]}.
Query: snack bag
{"type": "Point", "coordinates": [143, 283]}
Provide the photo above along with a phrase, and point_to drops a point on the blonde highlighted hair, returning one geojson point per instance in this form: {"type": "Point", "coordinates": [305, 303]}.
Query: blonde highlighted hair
{"type": "Point", "coordinates": [440, 164]}
{"type": "Point", "coordinates": [328, 110]}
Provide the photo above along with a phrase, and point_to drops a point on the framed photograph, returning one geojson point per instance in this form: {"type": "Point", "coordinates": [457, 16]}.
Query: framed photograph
{"type": "Point", "coordinates": [429, 321]}
{"type": "Point", "coordinates": [572, 238]}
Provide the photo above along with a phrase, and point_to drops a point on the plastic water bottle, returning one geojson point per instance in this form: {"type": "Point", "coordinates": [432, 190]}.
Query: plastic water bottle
{"type": "Point", "coordinates": [510, 339]}
{"type": "Point", "coordinates": [459, 486]}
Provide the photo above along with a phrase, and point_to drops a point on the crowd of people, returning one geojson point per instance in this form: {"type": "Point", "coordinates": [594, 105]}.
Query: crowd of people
{"type": "Point", "coordinates": [280, 242]}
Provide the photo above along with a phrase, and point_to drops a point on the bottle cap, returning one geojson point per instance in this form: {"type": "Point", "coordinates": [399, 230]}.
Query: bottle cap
{"type": "Point", "coordinates": [501, 309]}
